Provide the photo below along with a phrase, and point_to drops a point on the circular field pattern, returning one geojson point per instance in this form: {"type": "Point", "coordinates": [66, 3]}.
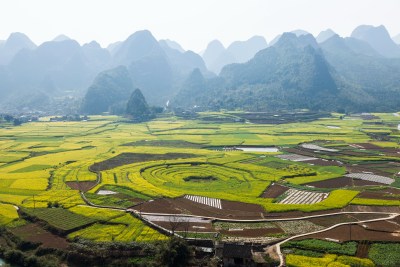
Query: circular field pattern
{"type": "Point", "coordinates": [196, 177]}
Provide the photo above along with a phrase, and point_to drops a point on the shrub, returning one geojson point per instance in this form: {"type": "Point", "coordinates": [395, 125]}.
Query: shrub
{"type": "Point", "coordinates": [385, 254]}
{"type": "Point", "coordinates": [304, 261]}
{"type": "Point", "coordinates": [348, 248]}
{"type": "Point", "coordinates": [356, 262]}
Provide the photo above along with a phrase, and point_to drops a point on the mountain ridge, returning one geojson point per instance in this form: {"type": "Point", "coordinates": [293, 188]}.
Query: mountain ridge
{"type": "Point", "coordinates": [297, 71]}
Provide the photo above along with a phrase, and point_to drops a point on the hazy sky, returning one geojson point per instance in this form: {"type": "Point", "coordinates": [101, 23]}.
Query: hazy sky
{"type": "Point", "coordinates": [192, 23]}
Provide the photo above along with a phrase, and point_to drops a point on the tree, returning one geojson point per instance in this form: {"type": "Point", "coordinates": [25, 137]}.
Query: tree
{"type": "Point", "coordinates": [176, 222]}
{"type": "Point", "coordinates": [17, 122]}
{"type": "Point", "coordinates": [137, 107]}
{"type": "Point", "coordinates": [174, 253]}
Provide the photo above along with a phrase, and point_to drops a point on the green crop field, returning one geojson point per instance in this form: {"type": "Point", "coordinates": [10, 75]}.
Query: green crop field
{"type": "Point", "coordinates": [60, 218]}
{"type": "Point", "coordinates": [8, 214]}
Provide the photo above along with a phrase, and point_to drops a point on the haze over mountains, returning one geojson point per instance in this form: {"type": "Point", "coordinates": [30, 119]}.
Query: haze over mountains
{"type": "Point", "coordinates": [216, 56]}
{"type": "Point", "coordinates": [295, 70]}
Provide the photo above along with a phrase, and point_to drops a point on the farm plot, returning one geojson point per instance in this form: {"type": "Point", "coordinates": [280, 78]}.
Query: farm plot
{"type": "Point", "coordinates": [323, 246]}
{"type": "Point", "coordinates": [274, 190]}
{"type": "Point", "coordinates": [250, 230]}
{"type": "Point", "coordinates": [298, 227]}
{"type": "Point", "coordinates": [65, 198]}
{"type": "Point", "coordinates": [355, 232]}
{"type": "Point", "coordinates": [35, 233]}
{"type": "Point", "coordinates": [114, 225]}
{"type": "Point", "coordinates": [328, 221]}
{"type": "Point", "coordinates": [59, 218]}
{"type": "Point", "coordinates": [8, 213]}
{"type": "Point", "coordinates": [129, 158]}
{"type": "Point", "coordinates": [319, 148]}
{"type": "Point", "coordinates": [330, 260]}
{"type": "Point", "coordinates": [341, 182]}
{"type": "Point", "coordinates": [82, 186]}
{"type": "Point", "coordinates": [371, 177]}
{"type": "Point", "coordinates": [294, 196]}
{"type": "Point", "coordinates": [212, 202]}
{"type": "Point", "coordinates": [388, 194]}
{"type": "Point", "coordinates": [295, 157]}
{"type": "Point", "coordinates": [205, 179]}
{"type": "Point", "coordinates": [333, 183]}
{"type": "Point", "coordinates": [186, 227]}
{"type": "Point", "coordinates": [231, 209]}
{"type": "Point", "coordinates": [97, 213]}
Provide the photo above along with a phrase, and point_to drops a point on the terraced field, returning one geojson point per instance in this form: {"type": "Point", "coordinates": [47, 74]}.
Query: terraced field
{"type": "Point", "coordinates": [45, 166]}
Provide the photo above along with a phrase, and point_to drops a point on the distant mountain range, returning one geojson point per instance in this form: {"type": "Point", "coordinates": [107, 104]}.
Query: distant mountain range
{"type": "Point", "coordinates": [62, 68]}
{"type": "Point", "coordinates": [334, 74]}
{"type": "Point", "coordinates": [296, 70]}
{"type": "Point", "coordinates": [396, 39]}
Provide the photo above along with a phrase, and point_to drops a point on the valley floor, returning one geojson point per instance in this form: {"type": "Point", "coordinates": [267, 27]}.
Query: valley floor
{"type": "Point", "coordinates": [334, 179]}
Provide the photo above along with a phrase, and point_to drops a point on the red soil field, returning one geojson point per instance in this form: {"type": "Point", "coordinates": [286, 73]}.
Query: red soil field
{"type": "Point", "coordinates": [274, 190]}
{"type": "Point", "coordinates": [342, 233]}
{"type": "Point", "coordinates": [230, 209]}
{"type": "Point", "coordinates": [396, 220]}
{"type": "Point", "coordinates": [379, 195]}
{"type": "Point", "coordinates": [382, 226]}
{"type": "Point", "coordinates": [358, 208]}
{"type": "Point", "coordinates": [332, 220]}
{"type": "Point", "coordinates": [82, 186]}
{"type": "Point", "coordinates": [333, 183]}
{"type": "Point", "coordinates": [162, 205]}
{"type": "Point", "coordinates": [241, 207]}
{"type": "Point", "coordinates": [341, 182]}
{"type": "Point", "coordinates": [366, 216]}
{"type": "Point", "coordinates": [34, 233]}
{"type": "Point", "coordinates": [369, 146]}
{"type": "Point", "coordinates": [359, 182]}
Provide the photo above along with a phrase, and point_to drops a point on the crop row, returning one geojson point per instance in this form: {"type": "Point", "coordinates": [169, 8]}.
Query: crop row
{"type": "Point", "coordinates": [124, 228]}
{"type": "Point", "coordinates": [294, 196]}
{"type": "Point", "coordinates": [60, 218]}
{"type": "Point", "coordinates": [212, 202]}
